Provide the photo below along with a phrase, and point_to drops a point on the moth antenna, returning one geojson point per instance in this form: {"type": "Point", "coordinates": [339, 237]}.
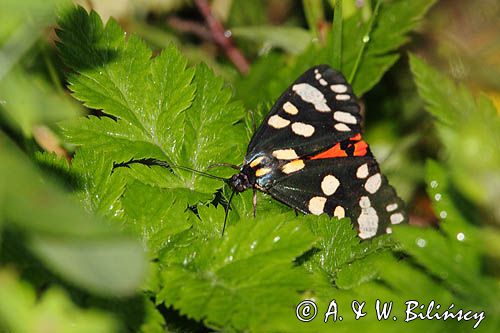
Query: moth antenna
{"type": "Point", "coordinates": [227, 211]}
{"type": "Point", "coordinates": [180, 167]}
{"type": "Point", "coordinates": [201, 173]}
{"type": "Point", "coordinates": [229, 165]}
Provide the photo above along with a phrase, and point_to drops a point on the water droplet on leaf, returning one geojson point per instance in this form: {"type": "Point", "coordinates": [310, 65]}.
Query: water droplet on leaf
{"type": "Point", "coordinates": [421, 242]}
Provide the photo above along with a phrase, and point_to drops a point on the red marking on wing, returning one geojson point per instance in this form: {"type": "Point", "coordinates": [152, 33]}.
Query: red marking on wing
{"type": "Point", "coordinates": [335, 151]}
{"type": "Point", "coordinates": [360, 148]}
{"type": "Point", "coordinates": [357, 137]}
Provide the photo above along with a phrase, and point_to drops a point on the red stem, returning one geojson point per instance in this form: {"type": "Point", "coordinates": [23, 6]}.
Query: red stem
{"type": "Point", "coordinates": [225, 42]}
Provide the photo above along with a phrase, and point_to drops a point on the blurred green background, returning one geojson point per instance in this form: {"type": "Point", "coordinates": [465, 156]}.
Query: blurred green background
{"type": "Point", "coordinates": [57, 252]}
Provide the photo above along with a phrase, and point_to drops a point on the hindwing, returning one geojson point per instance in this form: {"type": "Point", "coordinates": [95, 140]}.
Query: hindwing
{"type": "Point", "coordinates": [350, 186]}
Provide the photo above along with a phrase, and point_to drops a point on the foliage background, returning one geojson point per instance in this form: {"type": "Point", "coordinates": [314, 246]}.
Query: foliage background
{"type": "Point", "coordinates": [93, 241]}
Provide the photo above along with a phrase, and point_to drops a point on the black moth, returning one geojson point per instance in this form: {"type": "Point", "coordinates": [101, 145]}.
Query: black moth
{"type": "Point", "coordinates": [308, 153]}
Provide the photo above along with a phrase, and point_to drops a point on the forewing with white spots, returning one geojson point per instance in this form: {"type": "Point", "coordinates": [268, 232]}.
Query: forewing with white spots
{"type": "Point", "coordinates": [318, 110]}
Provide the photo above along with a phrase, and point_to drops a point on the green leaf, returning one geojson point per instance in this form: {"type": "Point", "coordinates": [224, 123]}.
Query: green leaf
{"type": "Point", "coordinates": [337, 240]}
{"type": "Point", "coordinates": [27, 101]}
{"type": "Point", "coordinates": [23, 23]}
{"type": "Point", "coordinates": [109, 266]}
{"type": "Point", "coordinates": [212, 128]}
{"type": "Point", "coordinates": [81, 248]}
{"type": "Point", "coordinates": [469, 128]}
{"type": "Point", "coordinates": [338, 19]}
{"type": "Point", "coordinates": [164, 110]}
{"type": "Point", "coordinates": [440, 191]}
{"type": "Point", "coordinates": [247, 13]}
{"type": "Point", "coordinates": [255, 88]}
{"type": "Point", "coordinates": [118, 77]}
{"type": "Point", "coordinates": [242, 281]}
{"type": "Point", "coordinates": [242, 206]}
{"type": "Point", "coordinates": [444, 258]}
{"type": "Point", "coordinates": [315, 15]}
{"type": "Point", "coordinates": [446, 101]}
{"type": "Point", "coordinates": [99, 188]}
{"type": "Point", "coordinates": [394, 21]}
{"type": "Point", "coordinates": [210, 222]}
{"type": "Point", "coordinates": [57, 168]}
{"type": "Point", "coordinates": [291, 39]}
{"type": "Point", "coordinates": [154, 322]}
{"type": "Point", "coordinates": [451, 256]}
{"type": "Point", "coordinates": [22, 309]}
{"type": "Point", "coordinates": [341, 257]}
{"type": "Point", "coordinates": [155, 213]}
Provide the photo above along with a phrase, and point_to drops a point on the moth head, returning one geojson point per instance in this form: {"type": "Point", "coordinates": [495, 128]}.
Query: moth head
{"type": "Point", "coordinates": [240, 182]}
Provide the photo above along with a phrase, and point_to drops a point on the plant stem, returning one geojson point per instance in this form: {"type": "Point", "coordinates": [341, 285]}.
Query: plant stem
{"type": "Point", "coordinates": [365, 41]}
{"type": "Point", "coordinates": [221, 38]}
{"type": "Point", "coordinates": [337, 35]}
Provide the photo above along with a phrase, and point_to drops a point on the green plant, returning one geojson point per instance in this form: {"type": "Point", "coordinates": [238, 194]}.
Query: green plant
{"type": "Point", "coordinates": [252, 278]}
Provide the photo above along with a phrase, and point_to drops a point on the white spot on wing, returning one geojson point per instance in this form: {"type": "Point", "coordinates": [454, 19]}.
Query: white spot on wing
{"type": "Point", "coordinates": [368, 219]}
{"type": "Point", "coordinates": [364, 202]}
{"type": "Point", "coordinates": [368, 222]}
{"type": "Point", "coordinates": [312, 95]}
{"type": "Point", "coordinates": [278, 122]}
{"type": "Point", "coordinates": [329, 184]}
{"type": "Point", "coordinates": [338, 88]}
{"type": "Point", "coordinates": [362, 171]}
{"type": "Point", "coordinates": [290, 108]}
{"type": "Point", "coordinates": [397, 218]}
{"type": "Point", "coordinates": [343, 97]}
{"type": "Point", "coordinates": [316, 205]}
{"type": "Point", "coordinates": [391, 207]}
{"type": "Point", "coordinates": [285, 154]}
{"type": "Point", "coordinates": [373, 183]}
{"type": "Point", "coordinates": [388, 230]}
{"type": "Point", "coordinates": [342, 127]}
{"type": "Point", "coordinates": [323, 82]}
{"type": "Point", "coordinates": [293, 166]}
{"type": "Point", "coordinates": [305, 130]}
{"type": "Point", "coordinates": [339, 212]}
{"type": "Point", "coordinates": [344, 117]}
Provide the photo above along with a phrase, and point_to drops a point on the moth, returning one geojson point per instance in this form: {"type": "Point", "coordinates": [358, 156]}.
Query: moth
{"type": "Point", "coordinates": [309, 154]}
